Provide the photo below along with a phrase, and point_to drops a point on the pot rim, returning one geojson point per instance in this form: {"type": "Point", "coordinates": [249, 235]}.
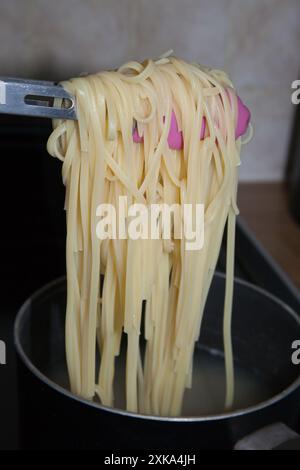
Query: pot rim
{"type": "Point", "coordinates": [21, 316]}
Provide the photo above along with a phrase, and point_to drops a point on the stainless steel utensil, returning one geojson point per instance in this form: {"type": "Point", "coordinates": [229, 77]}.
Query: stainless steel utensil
{"type": "Point", "coordinates": [35, 98]}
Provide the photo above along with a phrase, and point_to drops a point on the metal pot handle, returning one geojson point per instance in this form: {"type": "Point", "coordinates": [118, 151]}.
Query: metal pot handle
{"type": "Point", "coordinates": [276, 436]}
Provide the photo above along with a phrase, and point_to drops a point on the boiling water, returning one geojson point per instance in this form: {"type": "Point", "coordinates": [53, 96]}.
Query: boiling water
{"type": "Point", "coordinates": [207, 395]}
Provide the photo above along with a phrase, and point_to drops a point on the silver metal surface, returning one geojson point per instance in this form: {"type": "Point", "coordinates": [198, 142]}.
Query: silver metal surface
{"type": "Point", "coordinates": [267, 438]}
{"type": "Point", "coordinates": [35, 98]}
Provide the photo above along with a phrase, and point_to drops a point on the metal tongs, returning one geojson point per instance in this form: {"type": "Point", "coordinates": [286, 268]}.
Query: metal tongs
{"type": "Point", "coordinates": [35, 98]}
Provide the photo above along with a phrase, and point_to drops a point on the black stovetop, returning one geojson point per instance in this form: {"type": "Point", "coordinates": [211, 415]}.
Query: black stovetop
{"type": "Point", "coordinates": [32, 244]}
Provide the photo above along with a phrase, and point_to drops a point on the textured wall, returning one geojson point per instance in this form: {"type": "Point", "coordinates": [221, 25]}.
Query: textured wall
{"type": "Point", "coordinates": [256, 41]}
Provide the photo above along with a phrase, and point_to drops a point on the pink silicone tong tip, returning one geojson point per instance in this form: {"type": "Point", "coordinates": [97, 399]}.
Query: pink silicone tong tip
{"type": "Point", "coordinates": [136, 137]}
{"type": "Point", "coordinates": [175, 137]}
{"type": "Point", "coordinates": [243, 120]}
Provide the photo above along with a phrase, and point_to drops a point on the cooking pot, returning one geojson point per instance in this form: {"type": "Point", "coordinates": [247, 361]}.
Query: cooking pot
{"type": "Point", "coordinates": [267, 381]}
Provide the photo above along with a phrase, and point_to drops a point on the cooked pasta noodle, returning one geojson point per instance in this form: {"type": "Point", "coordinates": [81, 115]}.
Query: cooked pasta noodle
{"type": "Point", "coordinates": [101, 162]}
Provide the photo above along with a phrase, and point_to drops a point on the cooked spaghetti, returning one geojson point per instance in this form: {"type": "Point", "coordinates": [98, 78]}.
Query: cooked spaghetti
{"type": "Point", "coordinates": [101, 162]}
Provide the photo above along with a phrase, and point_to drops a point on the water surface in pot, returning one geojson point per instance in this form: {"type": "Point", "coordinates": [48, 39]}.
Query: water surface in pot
{"type": "Point", "coordinates": [206, 397]}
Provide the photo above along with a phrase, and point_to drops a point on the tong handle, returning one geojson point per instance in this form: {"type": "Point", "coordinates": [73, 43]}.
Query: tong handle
{"type": "Point", "coordinates": [35, 98]}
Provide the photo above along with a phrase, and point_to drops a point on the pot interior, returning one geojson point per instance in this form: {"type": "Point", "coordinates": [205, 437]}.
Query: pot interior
{"type": "Point", "coordinates": [263, 330]}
